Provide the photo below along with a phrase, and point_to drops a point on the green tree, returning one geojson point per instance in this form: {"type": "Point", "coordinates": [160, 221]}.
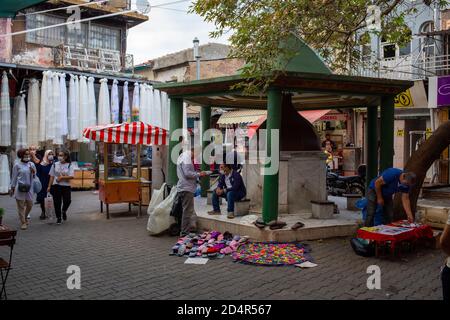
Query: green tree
{"type": "Point", "coordinates": [334, 28]}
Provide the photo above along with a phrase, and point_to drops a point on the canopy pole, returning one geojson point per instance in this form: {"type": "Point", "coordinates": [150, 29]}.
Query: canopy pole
{"type": "Point", "coordinates": [387, 133]}
{"type": "Point", "coordinates": [205, 116]}
{"type": "Point", "coordinates": [270, 189]}
{"type": "Point", "coordinates": [176, 122]}
{"type": "Point", "coordinates": [372, 144]}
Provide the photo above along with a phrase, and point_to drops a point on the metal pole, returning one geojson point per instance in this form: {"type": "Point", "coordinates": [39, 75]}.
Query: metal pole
{"type": "Point", "coordinates": [271, 182]}
{"type": "Point", "coordinates": [176, 122]}
{"type": "Point", "coordinates": [387, 133]}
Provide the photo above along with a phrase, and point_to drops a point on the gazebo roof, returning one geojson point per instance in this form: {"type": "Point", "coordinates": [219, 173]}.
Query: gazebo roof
{"type": "Point", "coordinates": [310, 91]}
{"type": "Point", "coordinates": [305, 76]}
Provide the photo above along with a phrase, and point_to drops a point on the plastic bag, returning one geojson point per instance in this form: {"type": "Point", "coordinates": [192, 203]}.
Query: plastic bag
{"type": "Point", "coordinates": [49, 208]}
{"type": "Point", "coordinates": [37, 186]}
{"type": "Point", "coordinates": [157, 198]}
{"type": "Point", "coordinates": [159, 219]}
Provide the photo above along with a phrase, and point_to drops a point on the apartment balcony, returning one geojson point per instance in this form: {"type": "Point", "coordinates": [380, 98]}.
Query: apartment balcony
{"type": "Point", "coordinates": [98, 60]}
{"type": "Point", "coordinates": [408, 67]}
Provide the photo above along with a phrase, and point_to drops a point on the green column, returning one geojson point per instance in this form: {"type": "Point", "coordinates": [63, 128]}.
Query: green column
{"type": "Point", "coordinates": [270, 189]}
{"type": "Point", "coordinates": [387, 133]}
{"type": "Point", "coordinates": [205, 116]}
{"type": "Point", "coordinates": [372, 143]}
{"type": "Point", "coordinates": [176, 122]}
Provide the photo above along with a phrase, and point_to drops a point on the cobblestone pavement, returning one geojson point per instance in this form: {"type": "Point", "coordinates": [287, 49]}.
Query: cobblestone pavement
{"type": "Point", "coordinates": [119, 260]}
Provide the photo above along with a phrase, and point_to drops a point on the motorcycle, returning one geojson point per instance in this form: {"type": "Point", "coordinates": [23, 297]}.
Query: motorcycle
{"type": "Point", "coordinates": [339, 185]}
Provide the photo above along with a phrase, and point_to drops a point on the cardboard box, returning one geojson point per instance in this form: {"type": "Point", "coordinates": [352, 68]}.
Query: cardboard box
{"type": "Point", "coordinates": [76, 183]}
{"type": "Point", "coordinates": [78, 174]}
{"type": "Point", "coordinates": [146, 173]}
{"type": "Point", "coordinates": [146, 196]}
{"type": "Point", "coordinates": [88, 183]}
{"type": "Point", "coordinates": [88, 174]}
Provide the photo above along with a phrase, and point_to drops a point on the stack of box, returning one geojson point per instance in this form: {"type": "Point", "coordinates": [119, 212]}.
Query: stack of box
{"type": "Point", "coordinates": [83, 179]}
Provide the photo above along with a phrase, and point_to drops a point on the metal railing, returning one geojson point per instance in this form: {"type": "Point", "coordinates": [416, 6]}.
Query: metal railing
{"type": "Point", "coordinates": [93, 59]}
{"type": "Point", "coordinates": [407, 67]}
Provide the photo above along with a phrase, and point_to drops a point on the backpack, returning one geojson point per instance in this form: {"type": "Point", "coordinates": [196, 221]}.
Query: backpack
{"type": "Point", "coordinates": [362, 247]}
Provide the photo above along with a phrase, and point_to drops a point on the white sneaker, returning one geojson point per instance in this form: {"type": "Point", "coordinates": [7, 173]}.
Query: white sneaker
{"type": "Point", "coordinates": [24, 226]}
{"type": "Point", "coordinates": [29, 217]}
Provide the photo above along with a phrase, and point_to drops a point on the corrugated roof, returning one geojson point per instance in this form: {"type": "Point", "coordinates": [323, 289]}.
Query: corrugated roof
{"type": "Point", "coordinates": [240, 116]}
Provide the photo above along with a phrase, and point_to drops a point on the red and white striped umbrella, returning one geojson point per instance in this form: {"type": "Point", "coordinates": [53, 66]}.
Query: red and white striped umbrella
{"type": "Point", "coordinates": [128, 133]}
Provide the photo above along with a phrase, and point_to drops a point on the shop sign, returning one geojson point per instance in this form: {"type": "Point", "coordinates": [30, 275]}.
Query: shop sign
{"type": "Point", "coordinates": [400, 133]}
{"type": "Point", "coordinates": [334, 117]}
{"type": "Point", "coordinates": [403, 100]}
{"type": "Point", "coordinates": [443, 91]}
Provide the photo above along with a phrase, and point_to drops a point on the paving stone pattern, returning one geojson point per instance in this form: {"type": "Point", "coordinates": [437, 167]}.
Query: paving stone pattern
{"type": "Point", "coordinates": [119, 260]}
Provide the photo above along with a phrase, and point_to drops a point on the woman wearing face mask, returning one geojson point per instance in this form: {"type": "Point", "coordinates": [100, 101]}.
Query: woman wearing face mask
{"type": "Point", "coordinates": [43, 170]}
{"type": "Point", "coordinates": [21, 185]}
{"type": "Point", "coordinates": [61, 173]}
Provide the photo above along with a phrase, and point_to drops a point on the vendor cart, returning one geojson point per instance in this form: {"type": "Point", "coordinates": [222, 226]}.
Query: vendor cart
{"type": "Point", "coordinates": [119, 151]}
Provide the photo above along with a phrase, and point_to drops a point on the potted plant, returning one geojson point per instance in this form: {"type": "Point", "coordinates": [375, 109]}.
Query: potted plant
{"type": "Point", "coordinates": [2, 212]}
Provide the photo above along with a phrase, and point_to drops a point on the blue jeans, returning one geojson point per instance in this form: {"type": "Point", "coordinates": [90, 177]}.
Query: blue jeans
{"type": "Point", "coordinates": [229, 195]}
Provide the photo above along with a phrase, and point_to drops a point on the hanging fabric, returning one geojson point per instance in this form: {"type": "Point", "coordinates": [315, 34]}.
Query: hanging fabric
{"type": "Point", "coordinates": [5, 112]}
{"type": "Point", "coordinates": [126, 113]}
{"type": "Point", "coordinates": [4, 174]}
{"type": "Point", "coordinates": [92, 104]}
{"type": "Point", "coordinates": [33, 100]}
{"type": "Point", "coordinates": [63, 97]}
{"type": "Point", "coordinates": [14, 121]}
{"type": "Point", "coordinates": [143, 112]}
{"type": "Point", "coordinates": [59, 106]}
{"type": "Point", "coordinates": [21, 133]}
{"type": "Point", "coordinates": [104, 111]}
{"type": "Point", "coordinates": [72, 111]}
{"type": "Point", "coordinates": [83, 120]}
{"type": "Point", "coordinates": [53, 103]}
{"type": "Point", "coordinates": [157, 108]}
{"type": "Point", "coordinates": [115, 115]}
{"type": "Point", "coordinates": [136, 103]}
{"type": "Point", "coordinates": [164, 110]}
{"type": "Point", "coordinates": [43, 107]}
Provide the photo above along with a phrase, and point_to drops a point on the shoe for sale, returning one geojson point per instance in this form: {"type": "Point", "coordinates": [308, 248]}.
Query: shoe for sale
{"type": "Point", "coordinates": [64, 216]}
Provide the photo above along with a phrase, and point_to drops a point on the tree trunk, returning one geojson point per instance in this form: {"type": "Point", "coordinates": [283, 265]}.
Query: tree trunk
{"type": "Point", "coordinates": [419, 163]}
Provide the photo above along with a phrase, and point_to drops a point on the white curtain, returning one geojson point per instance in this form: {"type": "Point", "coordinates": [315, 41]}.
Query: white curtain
{"type": "Point", "coordinates": [58, 109]}
{"type": "Point", "coordinates": [72, 110]}
{"type": "Point", "coordinates": [33, 113]}
{"type": "Point", "coordinates": [14, 121]}
{"type": "Point", "coordinates": [63, 97]}
{"type": "Point", "coordinates": [115, 114]}
{"type": "Point", "coordinates": [126, 113]}
{"type": "Point", "coordinates": [157, 112]}
{"type": "Point", "coordinates": [21, 133]}
{"type": "Point", "coordinates": [165, 110]}
{"type": "Point", "coordinates": [136, 103]}
{"type": "Point", "coordinates": [53, 111]}
{"type": "Point", "coordinates": [84, 105]}
{"type": "Point", "coordinates": [43, 106]}
{"type": "Point", "coordinates": [5, 112]}
{"type": "Point", "coordinates": [143, 103]}
{"type": "Point", "coordinates": [104, 111]}
{"type": "Point", "coordinates": [92, 104]}
{"type": "Point", "coordinates": [4, 174]}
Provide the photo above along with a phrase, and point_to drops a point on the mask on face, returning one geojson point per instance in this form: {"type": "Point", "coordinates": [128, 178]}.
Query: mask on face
{"type": "Point", "coordinates": [50, 158]}
{"type": "Point", "coordinates": [61, 159]}
{"type": "Point", "coordinates": [26, 159]}
{"type": "Point", "coordinates": [222, 172]}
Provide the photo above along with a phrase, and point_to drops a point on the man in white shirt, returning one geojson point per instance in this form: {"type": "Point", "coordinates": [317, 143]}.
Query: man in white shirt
{"type": "Point", "coordinates": [445, 276]}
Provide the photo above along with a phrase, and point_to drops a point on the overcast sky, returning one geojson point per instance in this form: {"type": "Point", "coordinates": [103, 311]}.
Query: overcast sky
{"type": "Point", "coordinates": [167, 31]}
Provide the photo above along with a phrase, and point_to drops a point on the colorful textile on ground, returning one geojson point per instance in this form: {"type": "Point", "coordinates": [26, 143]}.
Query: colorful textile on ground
{"type": "Point", "coordinates": [272, 253]}
{"type": "Point", "coordinates": [211, 244]}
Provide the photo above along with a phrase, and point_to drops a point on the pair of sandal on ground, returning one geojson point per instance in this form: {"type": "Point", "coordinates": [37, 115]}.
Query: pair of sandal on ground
{"type": "Point", "coordinates": [276, 224]}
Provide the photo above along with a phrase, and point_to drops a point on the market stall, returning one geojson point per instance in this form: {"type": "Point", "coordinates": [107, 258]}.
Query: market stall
{"type": "Point", "coordinates": [120, 169]}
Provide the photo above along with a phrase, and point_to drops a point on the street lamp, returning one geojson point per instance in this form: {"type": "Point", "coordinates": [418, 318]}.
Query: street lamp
{"type": "Point", "coordinates": [197, 55]}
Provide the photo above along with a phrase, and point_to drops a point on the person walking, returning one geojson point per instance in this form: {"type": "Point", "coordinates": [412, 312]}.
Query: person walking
{"type": "Point", "coordinates": [23, 174]}
{"type": "Point", "coordinates": [61, 173]}
{"type": "Point", "coordinates": [43, 170]}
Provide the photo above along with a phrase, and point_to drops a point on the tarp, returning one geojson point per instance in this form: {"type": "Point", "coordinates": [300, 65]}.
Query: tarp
{"type": "Point", "coordinates": [9, 8]}
{"type": "Point", "coordinates": [129, 133]}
